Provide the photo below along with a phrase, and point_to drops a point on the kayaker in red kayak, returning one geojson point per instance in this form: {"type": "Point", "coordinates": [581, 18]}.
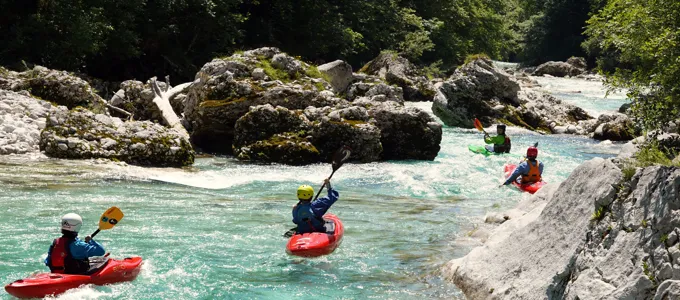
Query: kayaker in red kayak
{"type": "Point", "coordinates": [307, 214]}
{"type": "Point", "coordinates": [531, 169]}
{"type": "Point", "coordinates": [69, 254]}
{"type": "Point", "coordinates": [499, 143]}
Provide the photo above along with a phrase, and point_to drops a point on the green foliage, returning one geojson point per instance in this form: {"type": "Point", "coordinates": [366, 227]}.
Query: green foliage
{"type": "Point", "coordinates": [628, 172]}
{"type": "Point", "coordinates": [650, 154]}
{"type": "Point", "coordinates": [473, 57]}
{"type": "Point", "coordinates": [641, 37]}
{"type": "Point", "coordinates": [664, 238]}
{"type": "Point", "coordinates": [598, 214]}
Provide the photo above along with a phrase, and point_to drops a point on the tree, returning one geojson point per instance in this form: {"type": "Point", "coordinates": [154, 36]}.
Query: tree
{"type": "Point", "coordinates": [644, 36]}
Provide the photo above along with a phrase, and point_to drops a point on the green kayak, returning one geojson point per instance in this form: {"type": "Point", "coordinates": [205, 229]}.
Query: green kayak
{"type": "Point", "coordinates": [483, 151]}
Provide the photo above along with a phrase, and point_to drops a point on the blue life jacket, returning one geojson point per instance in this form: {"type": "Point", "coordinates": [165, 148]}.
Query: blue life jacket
{"type": "Point", "coordinates": [306, 220]}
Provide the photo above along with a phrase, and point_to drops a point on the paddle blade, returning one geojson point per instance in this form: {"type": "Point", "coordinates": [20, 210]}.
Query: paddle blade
{"type": "Point", "coordinates": [110, 218]}
{"type": "Point", "coordinates": [478, 125]}
{"type": "Point", "coordinates": [341, 156]}
{"type": "Point", "coordinates": [536, 145]}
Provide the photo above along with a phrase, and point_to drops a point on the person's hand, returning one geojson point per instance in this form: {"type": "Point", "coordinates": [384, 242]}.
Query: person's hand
{"type": "Point", "coordinates": [486, 135]}
{"type": "Point", "coordinates": [88, 239]}
{"type": "Point", "coordinates": [327, 181]}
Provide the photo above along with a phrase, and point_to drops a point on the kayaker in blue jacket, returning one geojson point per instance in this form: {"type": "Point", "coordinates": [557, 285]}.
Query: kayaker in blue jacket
{"type": "Point", "coordinates": [530, 169]}
{"type": "Point", "coordinates": [69, 254]}
{"type": "Point", "coordinates": [308, 214]}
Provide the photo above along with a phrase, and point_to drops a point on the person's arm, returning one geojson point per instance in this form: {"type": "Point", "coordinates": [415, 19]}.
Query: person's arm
{"type": "Point", "coordinates": [81, 250]}
{"type": "Point", "coordinates": [488, 139]}
{"type": "Point", "coordinates": [49, 255]}
{"type": "Point", "coordinates": [521, 169]}
{"type": "Point", "coordinates": [320, 206]}
{"type": "Point", "coordinates": [540, 168]}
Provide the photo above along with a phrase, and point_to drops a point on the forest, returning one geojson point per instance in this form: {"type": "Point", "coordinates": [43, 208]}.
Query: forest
{"type": "Point", "coordinates": [633, 42]}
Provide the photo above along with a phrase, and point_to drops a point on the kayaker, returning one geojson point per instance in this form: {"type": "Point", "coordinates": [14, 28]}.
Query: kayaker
{"type": "Point", "coordinates": [530, 170]}
{"type": "Point", "coordinates": [499, 143]}
{"type": "Point", "coordinates": [69, 254]}
{"type": "Point", "coordinates": [308, 214]}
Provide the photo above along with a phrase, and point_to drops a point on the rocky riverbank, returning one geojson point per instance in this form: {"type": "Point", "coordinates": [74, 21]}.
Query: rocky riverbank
{"type": "Point", "coordinates": [608, 231]}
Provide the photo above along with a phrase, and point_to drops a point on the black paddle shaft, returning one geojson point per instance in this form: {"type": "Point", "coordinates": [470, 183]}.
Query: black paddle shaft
{"type": "Point", "coordinates": [339, 158]}
{"type": "Point", "coordinates": [95, 233]}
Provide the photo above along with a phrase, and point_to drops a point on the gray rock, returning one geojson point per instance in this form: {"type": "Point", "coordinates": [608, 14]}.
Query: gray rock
{"type": "Point", "coordinates": [258, 74]}
{"type": "Point", "coordinates": [558, 69]}
{"type": "Point", "coordinates": [81, 134]}
{"type": "Point", "coordinates": [399, 71]}
{"type": "Point", "coordinates": [578, 62]}
{"type": "Point", "coordinates": [534, 260]}
{"type": "Point", "coordinates": [22, 119]}
{"type": "Point", "coordinates": [618, 127]}
{"type": "Point", "coordinates": [669, 289]}
{"type": "Point", "coordinates": [340, 74]}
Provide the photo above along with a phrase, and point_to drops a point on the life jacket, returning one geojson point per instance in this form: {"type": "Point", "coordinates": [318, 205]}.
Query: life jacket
{"type": "Point", "coordinates": [306, 220]}
{"type": "Point", "coordinates": [503, 148]}
{"type": "Point", "coordinates": [534, 174]}
{"type": "Point", "coordinates": [61, 260]}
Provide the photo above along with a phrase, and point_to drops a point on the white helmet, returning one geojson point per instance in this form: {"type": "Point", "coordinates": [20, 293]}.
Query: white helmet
{"type": "Point", "coordinates": [71, 222]}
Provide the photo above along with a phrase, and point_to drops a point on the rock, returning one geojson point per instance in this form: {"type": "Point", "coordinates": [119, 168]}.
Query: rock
{"type": "Point", "coordinates": [670, 142]}
{"type": "Point", "coordinates": [617, 127]}
{"type": "Point", "coordinates": [399, 71]}
{"type": "Point", "coordinates": [22, 119]}
{"type": "Point", "coordinates": [625, 108]}
{"type": "Point", "coordinates": [578, 62]}
{"type": "Point", "coordinates": [472, 91]}
{"type": "Point", "coordinates": [136, 98]}
{"type": "Point", "coordinates": [287, 63]}
{"type": "Point", "coordinates": [536, 258]}
{"type": "Point", "coordinates": [90, 135]}
{"type": "Point", "coordinates": [478, 90]}
{"type": "Point", "coordinates": [558, 69]}
{"type": "Point", "coordinates": [407, 132]}
{"type": "Point", "coordinates": [567, 253]}
{"type": "Point", "coordinates": [258, 74]}
{"type": "Point", "coordinates": [340, 74]}
{"type": "Point", "coordinates": [226, 111]}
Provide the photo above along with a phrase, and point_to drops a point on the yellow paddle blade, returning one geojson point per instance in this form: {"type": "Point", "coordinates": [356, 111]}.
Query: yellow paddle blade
{"type": "Point", "coordinates": [110, 218]}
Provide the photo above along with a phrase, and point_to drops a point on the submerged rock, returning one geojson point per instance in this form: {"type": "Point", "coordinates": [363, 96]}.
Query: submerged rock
{"type": "Point", "coordinates": [82, 134]}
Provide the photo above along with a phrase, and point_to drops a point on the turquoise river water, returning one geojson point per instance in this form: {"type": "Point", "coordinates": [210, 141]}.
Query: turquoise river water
{"type": "Point", "coordinates": [213, 231]}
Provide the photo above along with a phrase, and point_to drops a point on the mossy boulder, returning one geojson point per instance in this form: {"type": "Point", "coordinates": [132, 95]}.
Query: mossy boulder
{"type": "Point", "coordinates": [616, 127]}
{"type": "Point", "coordinates": [82, 134]}
{"type": "Point", "coordinates": [399, 71]}
{"type": "Point", "coordinates": [137, 97]}
{"type": "Point", "coordinates": [559, 69]}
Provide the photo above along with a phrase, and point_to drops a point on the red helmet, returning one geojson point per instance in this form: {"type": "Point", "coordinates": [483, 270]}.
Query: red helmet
{"type": "Point", "coordinates": [532, 152]}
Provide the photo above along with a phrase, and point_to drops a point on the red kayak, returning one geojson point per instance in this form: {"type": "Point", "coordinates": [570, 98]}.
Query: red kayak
{"type": "Point", "coordinates": [41, 285]}
{"type": "Point", "coordinates": [317, 243]}
{"type": "Point", "coordinates": [529, 188]}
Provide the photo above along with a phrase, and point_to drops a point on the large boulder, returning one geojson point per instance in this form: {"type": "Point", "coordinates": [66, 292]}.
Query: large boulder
{"type": "Point", "coordinates": [58, 87]}
{"type": "Point", "coordinates": [616, 127]}
{"type": "Point", "coordinates": [340, 74]}
{"type": "Point", "coordinates": [480, 90]}
{"type": "Point", "coordinates": [406, 132]}
{"type": "Point", "coordinates": [262, 110]}
{"type": "Point", "coordinates": [397, 70]}
{"type": "Point", "coordinates": [21, 120]}
{"type": "Point", "coordinates": [558, 69]}
{"type": "Point", "coordinates": [578, 62]}
{"type": "Point", "coordinates": [475, 90]}
{"type": "Point", "coordinates": [82, 134]}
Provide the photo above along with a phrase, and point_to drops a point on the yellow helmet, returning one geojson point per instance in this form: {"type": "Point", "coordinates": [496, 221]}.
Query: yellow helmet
{"type": "Point", "coordinates": [305, 192]}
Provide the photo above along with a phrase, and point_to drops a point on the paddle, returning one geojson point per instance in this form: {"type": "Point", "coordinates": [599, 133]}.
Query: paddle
{"type": "Point", "coordinates": [109, 218]}
{"type": "Point", "coordinates": [479, 126]}
{"type": "Point", "coordinates": [339, 159]}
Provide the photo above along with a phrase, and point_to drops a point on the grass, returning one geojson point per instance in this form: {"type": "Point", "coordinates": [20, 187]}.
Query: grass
{"type": "Point", "coordinates": [598, 214]}
{"type": "Point", "coordinates": [664, 238]}
{"type": "Point", "coordinates": [651, 154]}
{"type": "Point", "coordinates": [314, 72]}
{"type": "Point", "coordinates": [473, 57]}
{"type": "Point", "coordinates": [628, 172]}
{"type": "Point", "coordinates": [273, 73]}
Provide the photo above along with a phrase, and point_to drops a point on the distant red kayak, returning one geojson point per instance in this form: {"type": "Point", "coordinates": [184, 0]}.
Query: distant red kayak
{"type": "Point", "coordinates": [317, 243]}
{"type": "Point", "coordinates": [529, 188]}
{"type": "Point", "coordinates": [41, 285]}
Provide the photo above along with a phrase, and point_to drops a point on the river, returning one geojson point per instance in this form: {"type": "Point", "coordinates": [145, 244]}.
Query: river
{"type": "Point", "coordinates": [213, 231]}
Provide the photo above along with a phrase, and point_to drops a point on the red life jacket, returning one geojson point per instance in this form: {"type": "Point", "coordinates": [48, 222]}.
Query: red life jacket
{"type": "Point", "coordinates": [58, 255]}
{"type": "Point", "coordinates": [534, 174]}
